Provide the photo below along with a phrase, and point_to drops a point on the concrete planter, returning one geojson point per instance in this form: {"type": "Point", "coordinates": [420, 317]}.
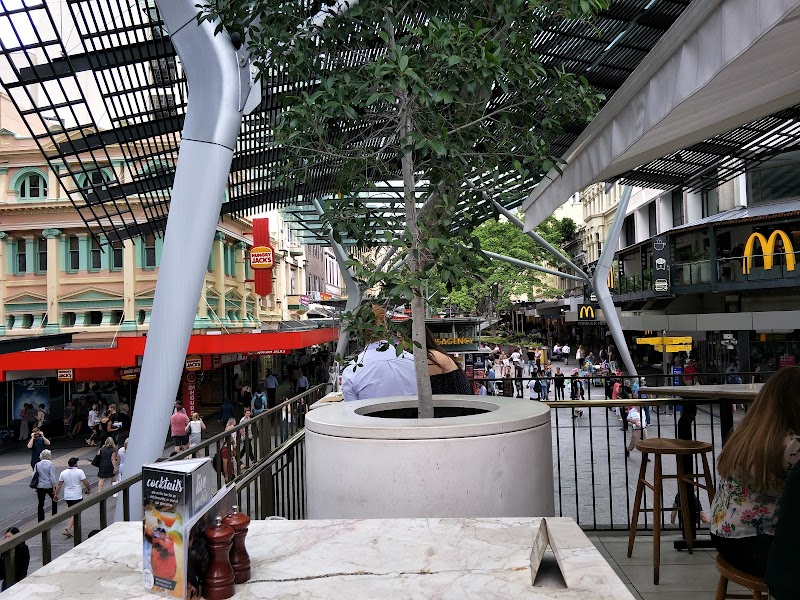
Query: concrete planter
{"type": "Point", "coordinates": [495, 463]}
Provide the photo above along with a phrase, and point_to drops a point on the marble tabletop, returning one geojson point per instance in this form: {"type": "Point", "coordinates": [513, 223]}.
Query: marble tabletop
{"type": "Point", "coordinates": [381, 558]}
{"type": "Point", "coordinates": [730, 391]}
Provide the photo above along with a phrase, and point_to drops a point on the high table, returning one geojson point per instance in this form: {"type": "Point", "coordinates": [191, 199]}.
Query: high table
{"type": "Point", "coordinates": [376, 558]}
{"type": "Point", "coordinates": [728, 394]}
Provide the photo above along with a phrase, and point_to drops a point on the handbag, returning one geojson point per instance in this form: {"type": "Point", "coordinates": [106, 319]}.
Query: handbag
{"type": "Point", "coordinates": [35, 479]}
{"type": "Point", "coordinates": [96, 459]}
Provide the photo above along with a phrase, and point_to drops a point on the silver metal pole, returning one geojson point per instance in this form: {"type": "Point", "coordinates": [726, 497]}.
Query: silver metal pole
{"type": "Point", "coordinates": [542, 242]}
{"type": "Point", "coordinates": [527, 265]}
{"type": "Point", "coordinates": [222, 89]}
{"type": "Point", "coordinates": [600, 283]}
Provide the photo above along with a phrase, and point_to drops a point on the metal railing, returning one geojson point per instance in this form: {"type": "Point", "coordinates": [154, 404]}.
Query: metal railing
{"type": "Point", "coordinates": [268, 470]}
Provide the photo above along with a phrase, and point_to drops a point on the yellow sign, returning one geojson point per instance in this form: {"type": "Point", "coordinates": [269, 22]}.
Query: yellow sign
{"type": "Point", "coordinates": [664, 341]}
{"type": "Point", "coordinates": [610, 280]}
{"type": "Point", "coordinates": [673, 348]}
{"type": "Point", "coordinates": [768, 247]}
{"type": "Point", "coordinates": [261, 257]}
{"type": "Point", "coordinates": [193, 363]}
{"type": "Point", "coordinates": [586, 312]}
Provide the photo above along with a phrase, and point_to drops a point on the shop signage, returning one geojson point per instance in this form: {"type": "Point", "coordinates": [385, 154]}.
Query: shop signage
{"type": "Point", "coordinates": [189, 392]}
{"type": "Point", "coordinates": [768, 248]}
{"type": "Point", "coordinates": [193, 363]}
{"type": "Point", "coordinates": [788, 360]}
{"type": "Point", "coordinates": [587, 312]}
{"type": "Point", "coordinates": [303, 300]}
{"type": "Point", "coordinates": [129, 373]}
{"type": "Point", "coordinates": [66, 374]}
{"type": "Point", "coordinates": [229, 359]}
{"type": "Point", "coordinates": [261, 257]}
{"type": "Point", "coordinates": [660, 266]}
{"type": "Point", "coordinates": [268, 352]}
{"type": "Point", "coordinates": [461, 341]}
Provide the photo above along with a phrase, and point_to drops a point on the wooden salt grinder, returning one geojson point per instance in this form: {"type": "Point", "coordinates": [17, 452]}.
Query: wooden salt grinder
{"type": "Point", "coordinates": [219, 575]}
{"type": "Point", "coordinates": [240, 559]}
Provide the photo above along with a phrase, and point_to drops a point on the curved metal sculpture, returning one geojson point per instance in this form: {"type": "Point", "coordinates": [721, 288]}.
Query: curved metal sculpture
{"type": "Point", "coordinates": [222, 91]}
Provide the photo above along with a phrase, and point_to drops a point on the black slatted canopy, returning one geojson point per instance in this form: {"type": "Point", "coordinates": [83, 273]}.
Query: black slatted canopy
{"type": "Point", "coordinates": [89, 76]}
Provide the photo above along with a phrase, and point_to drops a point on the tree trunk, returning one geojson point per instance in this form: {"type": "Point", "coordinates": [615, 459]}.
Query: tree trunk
{"type": "Point", "coordinates": [425, 410]}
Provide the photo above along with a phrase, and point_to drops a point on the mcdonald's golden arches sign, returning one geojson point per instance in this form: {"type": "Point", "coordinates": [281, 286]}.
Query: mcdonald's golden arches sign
{"type": "Point", "coordinates": [587, 312]}
{"type": "Point", "coordinates": [768, 250]}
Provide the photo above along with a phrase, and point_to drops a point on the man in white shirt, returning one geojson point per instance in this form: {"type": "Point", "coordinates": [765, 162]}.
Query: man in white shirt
{"type": "Point", "coordinates": [72, 479]}
{"type": "Point", "coordinates": [378, 371]}
{"type": "Point", "coordinates": [635, 421]}
{"type": "Point", "coordinates": [379, 374]}
{"type": "Point", "coordinates": [565, 353]}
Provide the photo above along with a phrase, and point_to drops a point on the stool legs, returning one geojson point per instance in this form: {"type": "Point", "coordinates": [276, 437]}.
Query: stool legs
{"type": "Point", "coordinates": [656, 518]}
{"type": "Point", "coordinates": [709, 482]}
{"type": "Point", "coordinates": [722, 588]}
{"type": "Point", "coordinates": [687, 524]}
{"type": "Point", "coordinates": [637, 503]}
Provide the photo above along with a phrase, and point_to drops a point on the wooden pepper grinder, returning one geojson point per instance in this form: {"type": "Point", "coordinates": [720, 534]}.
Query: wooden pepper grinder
{"type": "Point", "coordinates": [219, 575]}
{"type": "Point", "coordinates": [240, 559]}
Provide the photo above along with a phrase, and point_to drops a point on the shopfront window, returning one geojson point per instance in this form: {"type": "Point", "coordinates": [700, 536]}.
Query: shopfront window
{"type": "Point", "coordinates": [774, 179]}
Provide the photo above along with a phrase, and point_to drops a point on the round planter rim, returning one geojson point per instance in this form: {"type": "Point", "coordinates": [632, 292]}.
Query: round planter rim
{"type": "Point", "coordinates": [505, 415]}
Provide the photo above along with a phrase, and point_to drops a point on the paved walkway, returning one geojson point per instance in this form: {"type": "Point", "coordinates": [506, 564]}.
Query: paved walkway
{"type": "Point", "coordinates": [682, 575]}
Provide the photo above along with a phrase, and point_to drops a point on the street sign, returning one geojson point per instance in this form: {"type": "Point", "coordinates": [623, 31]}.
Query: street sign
{"type": "Point", "coordinates": [664, 341]}
{"type": "Point", "coordinates": [673, 348]}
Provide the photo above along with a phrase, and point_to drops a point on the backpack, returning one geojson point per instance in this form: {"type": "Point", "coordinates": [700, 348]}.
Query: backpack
{"type": "Point", "coordinates": [258, 401]}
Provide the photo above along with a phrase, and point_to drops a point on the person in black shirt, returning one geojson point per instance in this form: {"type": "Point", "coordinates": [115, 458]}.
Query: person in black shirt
{"type": "Point", "coordinates": [784, 552]}
{"type": "Point", "coordinates": [559, 383]}
{"type": "Point", "coordinates": [22, 558]}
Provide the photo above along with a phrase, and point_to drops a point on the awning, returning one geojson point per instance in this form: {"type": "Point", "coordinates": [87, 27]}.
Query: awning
{"type": "Point", "coordinates": [723, 64]}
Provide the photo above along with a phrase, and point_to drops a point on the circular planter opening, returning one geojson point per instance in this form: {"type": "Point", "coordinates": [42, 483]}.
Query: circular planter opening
{"type": "Point", "coordinates": [410, 412]}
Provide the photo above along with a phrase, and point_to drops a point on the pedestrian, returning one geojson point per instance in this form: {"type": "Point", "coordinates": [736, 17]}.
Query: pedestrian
{"type": "Point", "coordinates": [227, 452]}
{"type": "Point", "coordinates": [246, 435]}
{"type": "Point", "coordinates": [531, 360]}
{"type": "Point", "coordinates": [69, 413]}
{"type": "Point", "coordinates": [24, 431]}
{"type": "Point", "coordinates": [533, 388]}
{"type": "Point", "coordinates": [124, 407]}
{"type": "Point", "coordinates": [580, 354]}
{"type": "Point", "coordinates": [565, 350]}
{"type": "Point", "coordinates": [37, 443]}
{"type": "Point", "coordinates": [108, 462]}
{"type": "Point", "coordinates": [178, 423]}
{"type": "Point", "coordinates": [482, 389]}
{"type": "Point", "coordinates": [225, 411]}
{"type": "Point", "coordinates": [259, 402]}
{"type": "Point", "coordinates": [47, 481]}
{"type": "Point", "coordinates": [635, 421]}
{"type": "Point", "coordinates": [271, 386]}
{"type": "Point", "coordinates": [195, 430]}
{"type": "Point", "coordinates": [41, 416]}
{"type": "Point", "coordinates": [92, 420]}
{"type": "Point", "coordinates": [22, 559]}
{"type": "Point", "coordinates": [558, 380]}
{"type": "Point", "coordinates": [71, 480]}
{"type": "Point", "coordinates": [121, 453]}
{"type": "Point", "coordinates": [302, 383]}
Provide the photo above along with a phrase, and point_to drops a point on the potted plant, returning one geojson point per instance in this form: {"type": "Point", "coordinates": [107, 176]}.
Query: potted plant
{"type": "Point", "coordinates": [457, 104]}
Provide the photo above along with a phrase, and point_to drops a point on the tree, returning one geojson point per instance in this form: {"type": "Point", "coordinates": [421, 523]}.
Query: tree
{"type": "Point", "coordinates": [454, 100]}
{"type": "Point", "coordinates": [475, 291]}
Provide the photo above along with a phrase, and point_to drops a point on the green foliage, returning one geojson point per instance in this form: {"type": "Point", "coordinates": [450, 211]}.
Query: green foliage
{"type": "Point", "coordinates": [452, 99]}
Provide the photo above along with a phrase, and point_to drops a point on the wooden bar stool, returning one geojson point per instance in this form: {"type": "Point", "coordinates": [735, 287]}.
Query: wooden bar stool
{"type": "Point", "coordinates": [679, 448]}
{"type": "Point", "coordinates": [727, 572]}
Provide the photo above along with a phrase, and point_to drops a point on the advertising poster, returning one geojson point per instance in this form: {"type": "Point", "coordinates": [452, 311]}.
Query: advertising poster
{"type": "Point", "coordinates": [33, 391]}
{"type": "Point", "coordinates": [677, 371]}
{"type": "Point", "coordinates": [172, 493]}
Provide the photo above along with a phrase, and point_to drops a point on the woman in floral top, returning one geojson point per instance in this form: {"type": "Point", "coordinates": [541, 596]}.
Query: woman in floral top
{"type": "Point", "coordinates": [752, 469]}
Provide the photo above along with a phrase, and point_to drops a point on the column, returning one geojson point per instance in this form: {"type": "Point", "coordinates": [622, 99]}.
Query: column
{"type": "Point", "coordinates": [3, 188]}
{"type": "Point", "coordinates": [201, 318]}
{"type": "Point", "coordinates": [54, 184]}
{"type": "Point", "coordinates": [240, 277]}
{"type": "Point", "coordinates": [219, 274]}
{"type": "Point", "coordinates": [128, 285]}
{"type": "Point", "coordinates": [53, 280]}
{"type": "Point", "coordinates": [694, 206]}
{"type": "Point", "coordinates": [4, 250]}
